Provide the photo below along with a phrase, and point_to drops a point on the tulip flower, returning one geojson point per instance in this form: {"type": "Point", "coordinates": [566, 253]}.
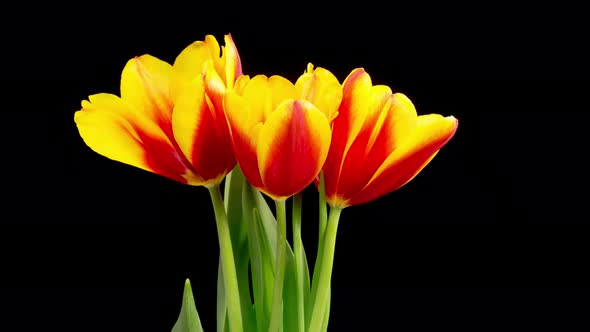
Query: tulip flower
{"type": "Point", "coordinates": [281, 131]}
{"type": "Point", "coordinates": [169, 119]}
{"type": "Point", "coordinates": [281, 136]}
{"type": "Point", "coordinates": [378, 143]}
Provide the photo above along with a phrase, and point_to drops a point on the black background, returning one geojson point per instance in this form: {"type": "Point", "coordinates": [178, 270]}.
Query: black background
{"type": "Point", "coordinates": [493, 234]}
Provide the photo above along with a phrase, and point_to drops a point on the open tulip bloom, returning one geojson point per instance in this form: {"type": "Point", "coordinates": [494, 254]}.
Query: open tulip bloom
{"type": "Point", "coordinates": [202, 123]}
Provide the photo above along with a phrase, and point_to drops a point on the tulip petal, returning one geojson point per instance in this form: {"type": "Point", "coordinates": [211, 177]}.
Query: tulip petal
{"type": "Point", "coordinates": [189, 63]}
{"type": "Point", "coordinates": [202, 135]}
{"type": "Point", "coordinates": [214, 88]}
{"type": "Point", "coordinates": [145, 86]}
{"type": "Point", "coordinates": [244, 127]}
{"type": "Point", "coordinates": [187, 66]}
{"type": "Point", "coordinates": [233, 64]}
{"type": "Point", "coordinates": [110, 127]}
{"type": "Point", "coordinates": [351, 116]}
{"type": "Point", "coordinates": [321, 88]}
{"type": "Point", "coordinates": [292, 147]}
{"type": "Point", "coordinates": [264, 94]}
{"type": "Point", "coordinates": [281, 90]}
{"type": "Point", "coordinates": [390, 120]}
{"type": "Point", "coordinates": [432, 132]}
{"type": "Point", "coordinates": [258, 93]}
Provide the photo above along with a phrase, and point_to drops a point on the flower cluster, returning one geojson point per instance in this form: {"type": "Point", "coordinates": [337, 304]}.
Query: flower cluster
{"type": "Point", "coordinates": [201, 121]}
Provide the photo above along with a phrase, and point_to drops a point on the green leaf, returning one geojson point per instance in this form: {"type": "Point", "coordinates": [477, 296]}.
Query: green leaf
{"type": "Point", "coordinates": [188, 320]}
{"type": "Point", "coordinates": [269, 222]}
{"type": "Point", "coordinates": [290, 313]}
{"type": "Point", "coordinates": [307, 300]}
{"type": "Point", "coordinates": [260, 259]}
{"type": "Point", "coordinates": [258, 272]}
{"type": "Point", "coordinates": [238, 225]}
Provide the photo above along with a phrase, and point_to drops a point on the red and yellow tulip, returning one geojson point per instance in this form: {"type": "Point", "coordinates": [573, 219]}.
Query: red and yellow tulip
{"type": "Point", "coordinates": [379, 143]}
{"type": "Point", "coordinates": [169, 119]}
{"type": "Point", "coordinates": [281, 131]}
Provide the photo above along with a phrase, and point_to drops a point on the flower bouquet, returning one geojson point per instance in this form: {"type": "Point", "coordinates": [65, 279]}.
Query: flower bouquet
{"type": "Point", "coordinates": [256, 140]}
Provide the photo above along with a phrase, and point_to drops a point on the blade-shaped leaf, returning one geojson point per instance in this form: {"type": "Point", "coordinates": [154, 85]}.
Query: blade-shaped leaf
{"type": "Point", "coordinates": [307, 300]}
{"type": "Point", "coordinates": [188, 320]}
{"type": "Point", "coordinates": [290, 313]}
{"type": "Point", "coordinates": [238, 225]}
{"type": "Point", "coordinates": [269, 222]}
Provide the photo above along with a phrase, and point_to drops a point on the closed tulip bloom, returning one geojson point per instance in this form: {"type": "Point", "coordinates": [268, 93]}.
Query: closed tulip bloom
{"type": "Point", "coordinates": [280, 130]}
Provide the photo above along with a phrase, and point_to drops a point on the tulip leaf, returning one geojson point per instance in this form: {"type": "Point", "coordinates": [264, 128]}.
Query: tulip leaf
{"type": "Point", "coordinates": [264, 274]}
{"type": "Point", "coordinates": [269, 222]}
{"type": "Point", "coordinates": [188, 320]}
{"type": "Point", "coordinates": [265, 236]}
{"type": "Point", "coordinates": [306, 285]}
{"type": "Point", "coordinates": [290, 313]}
{"type": "Point", "coordinates": [238, 225]}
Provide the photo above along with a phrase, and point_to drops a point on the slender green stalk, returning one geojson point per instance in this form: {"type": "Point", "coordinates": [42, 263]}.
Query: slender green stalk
{"type": "Point", "coordinates": [277, 296]}
{"type": "Point", "coordinates": [298, 255]}
{"type": "Point", "coordinates": [226, 189]}
{"type": "Point", "coordinates": [232, 294]}
{"type": "Point", "coordinates": [323, 287]}
{"type": "Point", "coordinates": [323, 221]}
{"type": "Point", "coordinates": [323, 208]}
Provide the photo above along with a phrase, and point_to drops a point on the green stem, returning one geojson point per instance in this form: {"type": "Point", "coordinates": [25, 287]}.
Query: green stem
{"type": "Point", "coordinates": [230, 279]}
{"type": "Point", "coordinates": [277, 296]}
{"type": "Point", "coordinates": [226, 189]}
{"type": "Point", "coordinates": [323, 208]}
{"type": "Point", "coordinates": [323, 220]}
{"type": "Point", "coordinates": [323, 287]}
{"type": "Point", "coordinates": [298, 255]}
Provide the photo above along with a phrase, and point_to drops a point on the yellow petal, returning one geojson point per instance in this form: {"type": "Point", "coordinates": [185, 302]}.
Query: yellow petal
{"type": "Point", "coordinates": [259, 96]}
{"type": "Point", "coordinates": [240, 113]}
{"type": "Point", "coordinates": [244, 124]}
{"type": "Point", "coordinates": [187, 66]}
{"type": "Point", "coordinates": [430, 129]}
{"type": "Point", "coordinates": [233, 64]}
{"type": "Point", "coordinates": [145, 85]}
{"type": "Point", "coordinates": [186, 116]}
{"type": "Point", "coordinates": [321, 88]}
{"type": "Point", "coordinates": [105, 131]}
{"type": "Point", "coordinates": [241, 83]}
{"type": "Point", "coordinates": [405, 119]}
{"type": "Point", "coordinates": [281, 90]}
{"type": "Point", "coordinates": [189, 63]}
{"type": "Point", "coordinates": [215, 88]}
{"type": "Point", "coordinates": [215, 52]}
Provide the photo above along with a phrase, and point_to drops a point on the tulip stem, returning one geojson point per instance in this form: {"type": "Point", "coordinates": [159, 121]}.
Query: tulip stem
{"type": "Point", "coordinates": [323, 208]}
{"type": "Point", "coordinates": [299, 256]}
{"type": "Point", "coordinates": [327, 262]}
{"type": "Point", "coordinates": [228, 265]}
{"type": "Point", "coordinates": [279, 275]}
{"type": "Point", "coordinates": [323, 220]}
